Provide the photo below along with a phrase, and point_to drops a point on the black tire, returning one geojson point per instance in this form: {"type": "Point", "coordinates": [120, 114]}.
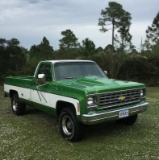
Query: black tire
{"type": "Point", "coordinates": [129, 120]}
{"type": "Point", "coordinates": [70, 128]}
{"type": "Point", "coordinates": [17, 107]}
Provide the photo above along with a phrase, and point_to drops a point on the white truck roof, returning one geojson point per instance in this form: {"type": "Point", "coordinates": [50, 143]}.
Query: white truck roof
{"type": "Point", "coordinates": [71, 60]}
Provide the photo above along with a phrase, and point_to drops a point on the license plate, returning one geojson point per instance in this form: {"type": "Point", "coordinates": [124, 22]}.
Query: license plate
{"type": "Point", "coordinates": [123, 113]}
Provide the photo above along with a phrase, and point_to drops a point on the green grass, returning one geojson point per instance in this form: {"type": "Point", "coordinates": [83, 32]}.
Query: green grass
{"type": "Point", "coordinates": [36, 136]}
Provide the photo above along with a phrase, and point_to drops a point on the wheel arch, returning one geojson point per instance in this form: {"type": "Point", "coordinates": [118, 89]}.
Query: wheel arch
{"type": "Point", "coordinates": [60, 105]}
{"type": "Point", "coordinates": [12, 92]}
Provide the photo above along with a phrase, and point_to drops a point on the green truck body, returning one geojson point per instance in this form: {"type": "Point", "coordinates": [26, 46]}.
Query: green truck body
{"type": "Point", "coordinates": [77, 92]}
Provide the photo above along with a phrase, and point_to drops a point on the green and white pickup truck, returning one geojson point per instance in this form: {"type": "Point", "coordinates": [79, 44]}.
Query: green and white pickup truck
{"type": "Point", "coordinates": [79, 93]}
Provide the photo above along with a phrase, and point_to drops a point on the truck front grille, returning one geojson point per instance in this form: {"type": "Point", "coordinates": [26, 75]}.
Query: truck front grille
{"type": "Point", "coordinates": [119, 98]}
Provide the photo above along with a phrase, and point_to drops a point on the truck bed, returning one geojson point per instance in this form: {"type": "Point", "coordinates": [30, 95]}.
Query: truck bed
{"type": "Point", "coordinates": [20, 81]}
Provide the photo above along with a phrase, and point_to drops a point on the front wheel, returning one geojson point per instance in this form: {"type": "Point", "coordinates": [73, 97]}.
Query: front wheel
{"type": "Point", "coordinates": [70, 128]}
{"type": "Point", "coordinates": [17, 107]}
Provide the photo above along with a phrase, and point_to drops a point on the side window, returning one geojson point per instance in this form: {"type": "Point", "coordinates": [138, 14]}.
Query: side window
{"type": "Point", "coordinates": [45, 69]}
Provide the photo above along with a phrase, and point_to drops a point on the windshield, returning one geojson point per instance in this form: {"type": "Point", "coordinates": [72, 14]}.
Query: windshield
{"type": "Point", "coordinates": [70, 70]}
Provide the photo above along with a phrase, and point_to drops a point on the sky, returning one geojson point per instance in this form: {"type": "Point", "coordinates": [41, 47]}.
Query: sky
{"type": "Point", "coordinates": [30, 20]}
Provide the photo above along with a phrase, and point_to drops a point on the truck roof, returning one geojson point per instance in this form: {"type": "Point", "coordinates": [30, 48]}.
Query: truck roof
{"type": "Point", "coordinates": [71, 60]}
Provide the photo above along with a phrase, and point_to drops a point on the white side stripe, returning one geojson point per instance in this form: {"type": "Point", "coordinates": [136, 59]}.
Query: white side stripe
{"type": "Point", "coordinates": [47, 99]}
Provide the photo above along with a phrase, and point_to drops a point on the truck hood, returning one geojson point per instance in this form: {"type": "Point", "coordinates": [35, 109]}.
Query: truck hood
{"type": "Point", "coordinates": [93, 84]}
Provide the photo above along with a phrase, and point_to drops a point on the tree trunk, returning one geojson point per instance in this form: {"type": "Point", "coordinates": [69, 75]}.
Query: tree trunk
{"type": "Point", "coordinates": [113, 23]}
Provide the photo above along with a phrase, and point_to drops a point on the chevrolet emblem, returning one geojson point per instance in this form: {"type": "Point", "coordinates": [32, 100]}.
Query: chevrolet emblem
{"type": "Point", "coordinates": [121, 98]}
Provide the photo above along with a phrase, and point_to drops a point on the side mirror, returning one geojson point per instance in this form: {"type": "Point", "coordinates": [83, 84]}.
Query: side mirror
{"type": "Point", "coordinates": [41, 78]}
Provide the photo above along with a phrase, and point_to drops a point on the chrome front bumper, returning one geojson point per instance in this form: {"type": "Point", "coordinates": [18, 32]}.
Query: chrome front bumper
{"type": "Point", "coordinates": [99, 117]}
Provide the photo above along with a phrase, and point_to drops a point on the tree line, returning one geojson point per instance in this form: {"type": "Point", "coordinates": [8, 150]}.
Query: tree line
{"type": "Point", "coordinates": [120, 58]}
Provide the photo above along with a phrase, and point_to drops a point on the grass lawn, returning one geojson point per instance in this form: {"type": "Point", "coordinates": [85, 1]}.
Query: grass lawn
{"type": "Point", "coordinates": [36, 136]}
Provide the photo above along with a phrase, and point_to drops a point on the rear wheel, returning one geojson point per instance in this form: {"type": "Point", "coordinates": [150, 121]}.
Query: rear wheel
{"type": "Point", "coordinates": [129, 120]}
{"type": "Point", "coordinates": [17, 107]}
{"type": "Point", "coordinates": [70, 128]}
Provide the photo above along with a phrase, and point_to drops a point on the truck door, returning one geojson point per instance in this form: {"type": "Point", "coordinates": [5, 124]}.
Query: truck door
{"type": "Point", "coordinates": [40, 92]}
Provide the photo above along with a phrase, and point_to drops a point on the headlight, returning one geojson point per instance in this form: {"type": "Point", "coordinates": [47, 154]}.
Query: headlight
{"type": "Point", "coordinates": [91, 101]}
{"type": "Point", "coordinates": [141, 93]}
{"type": "Point", "coordinates": [91, 104]}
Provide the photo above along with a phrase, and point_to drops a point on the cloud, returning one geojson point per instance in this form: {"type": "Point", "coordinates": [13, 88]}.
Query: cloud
{"type": "Point", "coordinates": [32, 1]}
{"type": "Point", "coordinates": [30, 20]}
{"type": "Point", "coordinates": [141, 10]}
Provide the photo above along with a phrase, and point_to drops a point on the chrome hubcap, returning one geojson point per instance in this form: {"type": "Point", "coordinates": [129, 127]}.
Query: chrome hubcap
{"type": "Point", "coordinates": [15, 105]}
{"type": "Point", "coordinates": [67, 125]}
